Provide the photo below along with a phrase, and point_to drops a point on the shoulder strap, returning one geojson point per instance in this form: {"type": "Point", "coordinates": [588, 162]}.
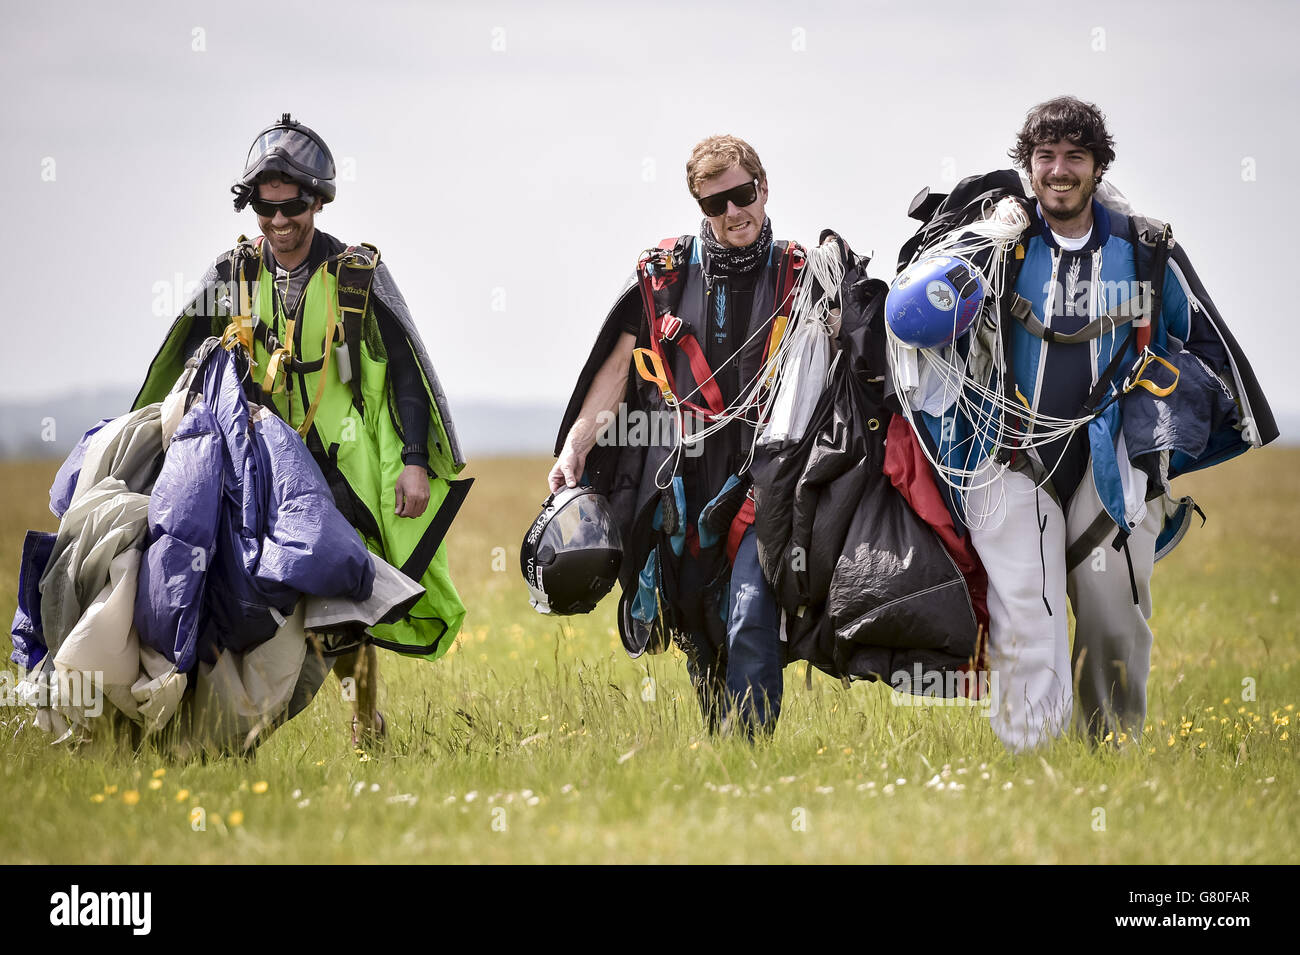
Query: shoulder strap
{"type": "Point", "coordinates": [354, 271]}
{"type": "Point", "coordinates": [1155, 280]}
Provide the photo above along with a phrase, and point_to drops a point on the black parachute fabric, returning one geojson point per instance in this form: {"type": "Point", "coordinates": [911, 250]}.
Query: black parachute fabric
{"type": "Point", "coordinates": [867, 587]}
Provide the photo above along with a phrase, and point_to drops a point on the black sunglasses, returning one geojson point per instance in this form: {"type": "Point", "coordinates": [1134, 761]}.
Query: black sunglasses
{"type": "Point", "coordinates": [716, 204]}
{"type": "Point", "coordinates": [290, 207]}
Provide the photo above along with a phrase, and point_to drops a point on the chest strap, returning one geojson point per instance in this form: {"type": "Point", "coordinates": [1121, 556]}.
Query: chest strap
{"type": "Point", "coordinates": [1135, 309]}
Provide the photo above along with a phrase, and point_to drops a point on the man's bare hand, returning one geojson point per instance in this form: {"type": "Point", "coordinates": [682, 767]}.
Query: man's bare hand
{"type": "Point", "coordinates": [411, 491]}
{"type": "Point", "coordinates": [568, 468]}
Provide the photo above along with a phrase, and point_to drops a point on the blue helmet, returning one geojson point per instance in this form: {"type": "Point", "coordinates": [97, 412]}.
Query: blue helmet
{"type": "Point", "coordinates": [933, 301]}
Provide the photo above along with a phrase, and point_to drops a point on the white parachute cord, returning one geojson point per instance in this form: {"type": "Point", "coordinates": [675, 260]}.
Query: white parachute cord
{"type": "Point", "coordinates": [822, 263]}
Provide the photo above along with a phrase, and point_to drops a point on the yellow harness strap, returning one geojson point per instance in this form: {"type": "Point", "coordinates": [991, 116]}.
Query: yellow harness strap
{"type": "Point", "coordinates": [330, 325]}
{"type": "Point", "coordinates": [653, 373]}
{"type": "Point", "coordinates": [1137, 381]}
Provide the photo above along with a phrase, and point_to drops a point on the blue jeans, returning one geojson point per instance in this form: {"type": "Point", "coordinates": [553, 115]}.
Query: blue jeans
{"type": "Point", "coordinates": [753, 683]}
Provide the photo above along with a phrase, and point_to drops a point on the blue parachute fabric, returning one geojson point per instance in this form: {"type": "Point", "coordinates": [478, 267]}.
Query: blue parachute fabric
{"type": "Point", "coordinates": [28, 638]}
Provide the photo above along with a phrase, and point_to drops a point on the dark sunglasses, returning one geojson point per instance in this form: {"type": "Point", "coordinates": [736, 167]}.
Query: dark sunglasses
{"type": "Point", "coordinates": [290, 207]}
{"type": "Point", "coordinates": [716, 204]}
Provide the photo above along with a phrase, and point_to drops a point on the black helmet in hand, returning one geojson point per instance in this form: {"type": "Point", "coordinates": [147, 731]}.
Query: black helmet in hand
{"type": "Point", "coordinates": [295, 152]}
{"type": "Point", "coordinates": [571, 554]}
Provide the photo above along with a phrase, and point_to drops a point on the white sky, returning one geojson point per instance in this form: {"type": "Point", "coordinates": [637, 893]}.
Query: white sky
{"type": "Point", "coordinates": [544, 168]}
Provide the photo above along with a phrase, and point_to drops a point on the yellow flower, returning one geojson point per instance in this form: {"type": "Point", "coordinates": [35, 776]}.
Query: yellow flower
{"type": "Point", "coordinates": [155, 784]}
{"type": "Point", "coordinates": [1284, 735]}
{"type": "Point", "coordinates": [1109, 737]}
{"type": "Point", "coordinates": [110, 790]}
{"type": "Point", "coordinates": [182, 795]}
{"type": "Point", "coordinates": [98, 797]}
{"type": "Point", "coordinates": [1123, 737]}
{"type": "Point", "coordinates": [1201, 746]}
{"type": "Point", "coordinates": [130, 797]}
{"type": "Point", "coordinates": [848, 750]}
{"type": "Point", "coordinates": [259, 787]}
{"type": "Point", "coordinates": [159, 773]}
{"type": "Point", "coordinates": [236, 817]}
{"type": "Point", "coordinates": [1289, 707]}
{"type": "Point", "coordinates": [1226, 700]}
{"type": "Point", "coordinates": [1171, 739]}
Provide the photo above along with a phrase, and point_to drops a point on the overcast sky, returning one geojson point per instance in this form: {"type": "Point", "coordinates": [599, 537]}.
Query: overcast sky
{"type": "Point", "coordinates": [512, 160]}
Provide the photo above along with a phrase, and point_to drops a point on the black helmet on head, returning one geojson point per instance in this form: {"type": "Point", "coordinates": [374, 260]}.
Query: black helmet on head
{"type": "Point", "coordinates": [294, 151]}
{"type": "Point", "coordinates": [571, 554]}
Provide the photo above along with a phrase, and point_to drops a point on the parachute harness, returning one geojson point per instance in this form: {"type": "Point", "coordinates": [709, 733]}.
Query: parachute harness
{"type": "Point", "coordinates": [795, 308]}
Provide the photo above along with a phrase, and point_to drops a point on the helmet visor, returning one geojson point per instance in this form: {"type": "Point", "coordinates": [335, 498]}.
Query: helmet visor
{"type": "Point", "coordinates": [581, 525]}
{"type": "Point", "coordinates": [294, 147]}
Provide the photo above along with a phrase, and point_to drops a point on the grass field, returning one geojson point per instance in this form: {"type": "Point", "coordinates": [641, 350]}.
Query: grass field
{"type": "Point", "coordinates": [538, 740]}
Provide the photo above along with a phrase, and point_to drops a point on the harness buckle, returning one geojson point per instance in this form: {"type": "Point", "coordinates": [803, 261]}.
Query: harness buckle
{"type": "Point", "coordinates": [670, 327]}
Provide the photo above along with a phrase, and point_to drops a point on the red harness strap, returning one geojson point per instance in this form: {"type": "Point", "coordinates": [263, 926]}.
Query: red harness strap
{"type": "Point", "coordinates": [739, 524]}
{"type": "Point", "coordinates": [666, 326]}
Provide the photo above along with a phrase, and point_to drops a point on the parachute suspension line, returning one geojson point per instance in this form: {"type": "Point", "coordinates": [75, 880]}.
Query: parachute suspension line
{"type": "Point", "coordinates": [973, 387]}
{"type": "Point", "coordinates": [809, 315]}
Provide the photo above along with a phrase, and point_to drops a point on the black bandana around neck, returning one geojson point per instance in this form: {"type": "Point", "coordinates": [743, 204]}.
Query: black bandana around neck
{"type": "Point", "coordinates": [723, 260]}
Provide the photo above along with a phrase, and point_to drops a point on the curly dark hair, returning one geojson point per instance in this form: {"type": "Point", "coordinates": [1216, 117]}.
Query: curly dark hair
{"type": "Point", "coordinates": [1065, 118]}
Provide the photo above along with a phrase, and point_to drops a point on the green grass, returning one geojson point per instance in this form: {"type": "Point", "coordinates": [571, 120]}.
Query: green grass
{"type": "Point", "coordinates": [539, 725]}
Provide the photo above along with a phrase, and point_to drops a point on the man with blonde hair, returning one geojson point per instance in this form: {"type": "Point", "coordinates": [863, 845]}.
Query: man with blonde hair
{"type": "Point", "coordinates": [701, 311]}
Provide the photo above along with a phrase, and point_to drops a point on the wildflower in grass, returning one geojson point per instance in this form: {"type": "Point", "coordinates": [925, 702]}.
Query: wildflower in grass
{"type": "Point", "coordinates": [1171, 739]}
{"type": "Point", "coordinates": [155, 784]}
{"type": "Point", "coordinates": [1007, 784]}
{"type": "Point", "coordinates": [97, 797]}
{"type": "Point", "coordinates": [182, 795]}
{"type": "Point", "coordinates": [159, 773]}
{"type": "Point", "coordinates": [1108, 737]}
{"type": "Point", "coordinates": [1284, 735]}
{"type": "Point", "coordinates": [110, 790]}
{"type": "Point", "coordinates": [260, 786]}
{"type": "Point", "coordinates": [1200, 746]}
{"type": "Point", "coordinates": [236, 817]}
{"type": "Point", "coordinates": [1226, 701]}
{"type": "Point", "coordinates": [131, 797]}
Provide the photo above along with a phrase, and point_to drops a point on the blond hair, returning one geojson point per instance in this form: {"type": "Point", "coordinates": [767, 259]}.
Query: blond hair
{"type": "Point", "coordinates": [717, 154]}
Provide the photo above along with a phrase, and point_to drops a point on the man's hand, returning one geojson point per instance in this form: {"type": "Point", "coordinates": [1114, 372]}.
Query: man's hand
{"type": "Point", "coordinates": [411, 491]}
{"type": "Point", "coordinates": [568, 467]}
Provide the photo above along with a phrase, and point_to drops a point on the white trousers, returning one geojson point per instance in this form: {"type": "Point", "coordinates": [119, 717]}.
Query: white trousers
{"type": "Point", "coordinates": [1022, 538]}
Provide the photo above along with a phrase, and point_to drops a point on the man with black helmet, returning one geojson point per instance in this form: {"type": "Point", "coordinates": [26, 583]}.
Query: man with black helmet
{"type": "Point", "coordinates": [337, 355]}
{"type": "Point", "coordinates": [690, 564]}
